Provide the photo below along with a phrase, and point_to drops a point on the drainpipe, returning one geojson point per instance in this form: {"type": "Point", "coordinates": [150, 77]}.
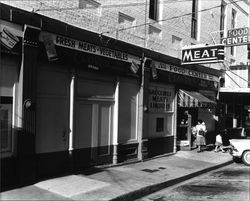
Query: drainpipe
{"type": "Point", "coordinates": [141, 110]}
{"type": "Point", "coordinates": [71, 120]}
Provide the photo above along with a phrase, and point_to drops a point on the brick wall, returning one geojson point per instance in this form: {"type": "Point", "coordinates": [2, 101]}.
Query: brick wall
{"type": "Point", "coordinates": [105, 21]}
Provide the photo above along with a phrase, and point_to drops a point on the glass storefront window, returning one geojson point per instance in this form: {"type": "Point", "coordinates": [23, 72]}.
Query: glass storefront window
{"type": "Point", "coordinates": [6, 127]}
{"type": "Point", "coordinates": [160, 110]}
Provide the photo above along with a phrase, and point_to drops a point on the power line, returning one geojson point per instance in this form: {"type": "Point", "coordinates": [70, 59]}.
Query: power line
{"type": "Point", "coordinates": [171, 18]}
{"type": "Point", "coordinates": [51, 8]}
{"type": "Point", "coordinates": [236, 74]}
{"type": "Point", "coordinates": [233, 80]}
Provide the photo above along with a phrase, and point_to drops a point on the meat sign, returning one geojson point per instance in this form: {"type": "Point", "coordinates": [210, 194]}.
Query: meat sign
{"type": "Point", "coordinates": [204, 54]}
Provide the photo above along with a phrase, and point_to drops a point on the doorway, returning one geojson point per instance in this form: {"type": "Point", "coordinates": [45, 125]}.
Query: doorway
{"type": "Point", "coordinates": [93, 128]}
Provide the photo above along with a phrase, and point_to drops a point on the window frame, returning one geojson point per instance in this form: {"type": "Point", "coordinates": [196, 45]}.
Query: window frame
{"type": "Point", "coordinates": [6, 102]}
{"type": "Point", "coordinates": [154, 10]}
{"type": "Point", "coordinates": [233, 18]}
{"type": "Point", "coordinates": [223, 18]}
{"type": "Point", "coordinates": [126, 18]}
{"type": "Point", "coordinates": [233, 25]}
{"type": "Point", "coordinates": [194, 20]}
{"type": "Point", "coordinates": [95, 4]}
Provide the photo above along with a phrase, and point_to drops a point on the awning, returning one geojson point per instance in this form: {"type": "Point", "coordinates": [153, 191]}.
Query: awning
{"type": "Point", "coordinates": [193, 99]}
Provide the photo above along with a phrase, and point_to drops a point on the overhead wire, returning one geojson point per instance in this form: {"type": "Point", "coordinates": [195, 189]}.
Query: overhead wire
{"type": "Point", "coordinates": [233, 80]}
{"type": "Point", "coordinates": [175, 17]}
{"type": "Point", "coordinates": [229, 69]}
{"type": "Point", "coordinates": [144, 24]}
{"type": "Point", "coordinates": [135, 26]}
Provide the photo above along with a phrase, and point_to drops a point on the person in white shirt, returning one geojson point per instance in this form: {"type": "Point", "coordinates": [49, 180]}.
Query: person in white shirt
{"type": "Point", "coordinates": [218, 144]}
{"type": "Point", "coordinates": [200, 135]}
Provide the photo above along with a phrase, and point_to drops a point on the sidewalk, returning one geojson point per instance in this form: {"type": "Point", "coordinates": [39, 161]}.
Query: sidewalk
{"type": "Point", "coordinates": [124, 182]}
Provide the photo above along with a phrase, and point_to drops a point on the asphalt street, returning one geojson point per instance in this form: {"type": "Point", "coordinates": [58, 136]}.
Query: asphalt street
{"type": "Point", "coordinates": [231, 183]}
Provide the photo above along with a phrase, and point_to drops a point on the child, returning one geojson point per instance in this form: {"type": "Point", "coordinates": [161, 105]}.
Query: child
{"type": "Point", "coordinates": [218, 144]}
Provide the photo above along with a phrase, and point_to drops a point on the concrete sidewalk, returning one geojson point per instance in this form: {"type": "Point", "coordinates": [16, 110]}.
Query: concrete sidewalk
{"type": "Point", "coordinates": [125, 182]}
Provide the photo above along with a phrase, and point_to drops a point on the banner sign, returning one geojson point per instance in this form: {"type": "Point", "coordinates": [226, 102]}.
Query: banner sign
{"type": "Point", "coordinates": [50, 47]}
{"type": "Point", "coordinates": [70, 43]}
{"type": "Point", "coordinates": [9, 34]}
{"type": "Point", "coordinates": [184, 71]}
{"type": "Point", "coordinates": [201, 55]}
{"type": "Point", "coordinates": [239, 36]}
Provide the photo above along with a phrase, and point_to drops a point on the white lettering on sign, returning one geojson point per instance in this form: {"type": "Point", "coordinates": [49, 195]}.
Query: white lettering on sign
{"type": "Point", "coordinates": [239, 36]}
{"type": "Point", "coordinates": [184, 71]}
{"type": "Point", "coordinates": [238, 32]}
{"type": "Point", "coordinates": [206, 54]}
{"type": "Point", "coordinates": [91, 48]}
{"type": "Point", "coordinates": [160, 99]}
{"type": "Point", "coordinates": [239, 40]}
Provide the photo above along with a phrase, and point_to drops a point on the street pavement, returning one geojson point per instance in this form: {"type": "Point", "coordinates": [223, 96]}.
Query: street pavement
{"type": "Point", "coordinates": [123, 182]}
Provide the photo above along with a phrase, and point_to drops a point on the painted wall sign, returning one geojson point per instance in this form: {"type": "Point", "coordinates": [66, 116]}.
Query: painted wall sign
{"type": "Point", "coordinates": [91, 48]}
{"type": "Point", "coordinates": [204, 54]}
{"type": "Point", "coordinates": [184, 71]}
{"type": "Point", "coordinates": [160, 99]}
{"type": "Point", "coordinates": [239, 36]}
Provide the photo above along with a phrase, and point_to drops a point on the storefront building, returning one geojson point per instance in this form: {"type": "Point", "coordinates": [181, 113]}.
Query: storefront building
{"type": "Point", "coordinates": [69, 99]}
{"type": "Point", "coordinates": [10, 65]}
{"type": "Point", "coordinates": [171, 92]}
{"type": "Point", "coordinates": [93, 93]}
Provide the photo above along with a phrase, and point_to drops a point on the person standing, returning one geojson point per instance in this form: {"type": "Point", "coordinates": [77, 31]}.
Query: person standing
{"type": "Point", "coordinates": [200, 135]}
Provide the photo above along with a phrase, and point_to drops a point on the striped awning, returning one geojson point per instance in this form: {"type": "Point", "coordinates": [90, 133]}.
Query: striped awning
{"type": "Point", "coordinates": [193, 99]}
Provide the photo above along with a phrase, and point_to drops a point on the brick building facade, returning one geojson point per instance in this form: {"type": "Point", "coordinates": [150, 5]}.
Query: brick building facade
{"type": "Point", "coordinates": [101, 82]}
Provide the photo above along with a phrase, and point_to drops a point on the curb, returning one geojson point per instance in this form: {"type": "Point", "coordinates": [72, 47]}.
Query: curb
{"type": "Point", "coordinates": [159, 186]}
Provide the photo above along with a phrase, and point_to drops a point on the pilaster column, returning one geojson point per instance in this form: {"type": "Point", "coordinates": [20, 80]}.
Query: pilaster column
{"type": "Point", "coordinates": [26, 138]}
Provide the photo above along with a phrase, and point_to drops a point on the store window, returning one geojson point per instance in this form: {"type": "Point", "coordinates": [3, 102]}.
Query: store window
{"type": "Point", "coordinates": [160, 110]}
{"type": "Point", "coordinates": [128, 110]}
{"type": "Point", "coordinates": [159, 124]}
{"type": "Point", "coordinates": [8, 97]}
{"type": "Point", "coordinates": [6, 124]}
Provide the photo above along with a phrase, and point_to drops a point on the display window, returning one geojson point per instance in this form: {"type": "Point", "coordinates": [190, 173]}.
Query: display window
{"type": "Point", "coordinates": [161, 110]}
{"type": "Point", "coordinates": [6, 124]}
{"type": "Point", "coordinates": [128, 110]}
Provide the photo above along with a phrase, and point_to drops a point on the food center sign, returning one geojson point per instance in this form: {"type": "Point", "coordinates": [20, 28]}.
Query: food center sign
{"type": "Point", "coordinates": [201, 55]}
{"type": "Point", "coordinates": [240, 36]}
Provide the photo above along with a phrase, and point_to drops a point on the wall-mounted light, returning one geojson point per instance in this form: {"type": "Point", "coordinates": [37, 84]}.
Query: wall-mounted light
{"type": "Point", "coordinates": [27, 103]}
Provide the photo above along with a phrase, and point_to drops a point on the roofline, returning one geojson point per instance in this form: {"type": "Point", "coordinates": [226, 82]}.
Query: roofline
{"type": "Point", "coordinates": [19, 16]}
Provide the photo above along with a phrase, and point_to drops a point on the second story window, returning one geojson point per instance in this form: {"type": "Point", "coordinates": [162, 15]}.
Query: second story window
{"type": "Point", "coordinates": [194, 22]}
{"type": "Point", "coordinates": [154, 10]}
{"type": "Point", "coordinates": [154, 32]}
{"type": "Point", "coordinates": [90, 5]}
{"type": "Point", "coordinates": [125, 20]}
{"type": "Point", "coordinates": [233, 25]}
{"type": "Point", "coordinates": [233, 19]}
{"type": "Point", "coordinates": [222, 18]}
